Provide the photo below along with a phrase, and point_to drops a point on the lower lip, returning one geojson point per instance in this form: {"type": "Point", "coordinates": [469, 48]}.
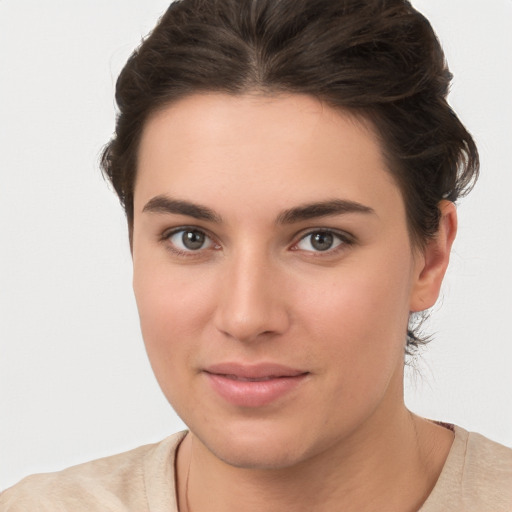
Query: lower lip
{"type": "Point", "coordinates": [253, 393]}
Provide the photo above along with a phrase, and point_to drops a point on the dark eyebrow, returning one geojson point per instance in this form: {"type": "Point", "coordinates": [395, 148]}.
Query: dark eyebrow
{"type": "Point", "coordinates": [322, 209]}
{"type": "Point", "coordinates": [166, 204]}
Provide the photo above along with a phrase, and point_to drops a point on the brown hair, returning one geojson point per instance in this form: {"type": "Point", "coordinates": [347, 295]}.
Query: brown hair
{"type": "Point", "coordinates": [377, 58]}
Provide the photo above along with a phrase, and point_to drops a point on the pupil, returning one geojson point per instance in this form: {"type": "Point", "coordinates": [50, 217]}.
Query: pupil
{"type": "Point", "coordinates": [322, 241]}
{"type": "Point", "coordinates": [193, 240]}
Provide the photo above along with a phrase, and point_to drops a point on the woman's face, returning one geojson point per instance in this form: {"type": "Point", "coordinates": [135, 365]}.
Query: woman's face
{"type": "Point", "coordinates": [273, 274]}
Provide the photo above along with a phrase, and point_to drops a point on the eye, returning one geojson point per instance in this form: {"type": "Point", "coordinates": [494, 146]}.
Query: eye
{"type": "Point", "coordinates": [189, 240]}
{"type": "Point", "coordinates": [321, 241]}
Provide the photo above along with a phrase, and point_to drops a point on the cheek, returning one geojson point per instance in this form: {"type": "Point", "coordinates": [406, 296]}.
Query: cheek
{"type": "Point", "coordinates": [365, 294]}
{"type": "Point", "coordinates": [173, 308]}
{"type": "Point", "coordinates": [360, 319]}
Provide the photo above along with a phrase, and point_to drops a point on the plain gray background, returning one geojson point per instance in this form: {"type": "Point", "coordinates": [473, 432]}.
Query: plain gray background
{"type": "Point", "coordinates": [75, 383]}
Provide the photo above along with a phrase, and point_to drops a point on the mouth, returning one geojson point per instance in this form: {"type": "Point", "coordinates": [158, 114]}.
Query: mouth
{"type": "Point", "coordinates": [251, 379]}
{"type": "Point", "coordinates": [253, 386]}
{"type": "Point", "coordinates": [261, 371]}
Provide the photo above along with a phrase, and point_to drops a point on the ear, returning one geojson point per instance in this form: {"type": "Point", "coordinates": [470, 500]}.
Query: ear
{"type": "Point", "coordinates": [433, 260]}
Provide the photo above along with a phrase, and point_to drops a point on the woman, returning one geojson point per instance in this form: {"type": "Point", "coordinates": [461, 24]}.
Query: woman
{"type": "Point", "coordinates": [289, 172]}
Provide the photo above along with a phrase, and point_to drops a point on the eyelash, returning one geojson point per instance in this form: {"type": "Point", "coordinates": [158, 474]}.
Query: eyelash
{"type": "Point", "coordinates": [190, 253]}
{"type": "Point", "coordinates": [344, 240]}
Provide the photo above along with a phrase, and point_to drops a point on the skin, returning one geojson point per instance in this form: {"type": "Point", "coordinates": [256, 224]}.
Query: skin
{"type": "Point", "coordinates": [259, 291]}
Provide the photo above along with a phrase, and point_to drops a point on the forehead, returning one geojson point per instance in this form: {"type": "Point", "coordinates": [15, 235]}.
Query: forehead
{"type": "Point", "coordinates": [260, 149]}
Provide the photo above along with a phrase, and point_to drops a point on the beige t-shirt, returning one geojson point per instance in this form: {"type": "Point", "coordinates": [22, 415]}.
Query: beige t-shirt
{"type": "Point", "coordinates": [477, 477]}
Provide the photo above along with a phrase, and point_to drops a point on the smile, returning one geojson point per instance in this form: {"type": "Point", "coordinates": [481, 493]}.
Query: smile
{"type": "Point", "coordinates": [253, 379]}
{"type": "Point", "coordinates": [253, 386]}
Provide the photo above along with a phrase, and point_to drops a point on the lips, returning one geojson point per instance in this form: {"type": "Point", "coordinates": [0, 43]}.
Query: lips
{"type": "Point", "coordinates": [253, 385]}
{"type": "Point", "coordinates": [252, 379]}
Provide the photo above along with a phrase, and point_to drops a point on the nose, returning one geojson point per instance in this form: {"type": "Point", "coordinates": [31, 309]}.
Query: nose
{"type": "Point", "coordinates": [252, 303]}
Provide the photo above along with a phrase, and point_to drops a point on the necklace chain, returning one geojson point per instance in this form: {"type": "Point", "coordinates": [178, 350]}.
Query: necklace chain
{"type": "Point", "coordinates": [187, 505]}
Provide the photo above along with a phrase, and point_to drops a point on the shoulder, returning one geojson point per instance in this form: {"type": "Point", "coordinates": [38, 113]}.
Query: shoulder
{"type": "Point", "coordinates": [476, 477]}
{"type": "Point", "coordinates": [117, 483]}
{"type": "Point", "coordinates": [487, 471]}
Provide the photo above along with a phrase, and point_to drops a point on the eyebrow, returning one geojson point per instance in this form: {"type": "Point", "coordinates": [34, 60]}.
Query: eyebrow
{"type": "Point", "coordinates": [166, 204]}
{"type": "Point", "coordinates": [322, 209]}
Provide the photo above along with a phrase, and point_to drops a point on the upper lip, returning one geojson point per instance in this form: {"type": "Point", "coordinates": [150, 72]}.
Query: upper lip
{"type": "Point", "coordinates": [254, 371]}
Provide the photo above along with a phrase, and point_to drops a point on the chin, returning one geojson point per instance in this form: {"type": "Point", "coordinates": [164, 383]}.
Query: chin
{"type": "Point", "coordinates": [254, 455]}
{"type": "Point", "coordinates": [252, 444]}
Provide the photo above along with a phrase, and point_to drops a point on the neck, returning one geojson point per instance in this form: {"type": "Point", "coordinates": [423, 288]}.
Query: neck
{"type": "Point", "coordinates": [391, 465]}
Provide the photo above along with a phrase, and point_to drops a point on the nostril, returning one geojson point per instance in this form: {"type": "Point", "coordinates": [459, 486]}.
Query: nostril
{"type": "Point", "coordinates": [250, 305]}
{"type": "Point", "coordinates": [251, 328]}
